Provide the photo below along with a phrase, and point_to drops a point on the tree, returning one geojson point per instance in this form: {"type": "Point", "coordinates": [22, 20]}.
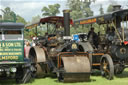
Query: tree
{"type": "Point", "coordinates": [110, 8]}
{"type": "Point", "coordinates": [75, 7]}
{"type": "Point", "coordinates": [51, 10]}
{"type": "Point", "coordinates": [9, 15]}
{"type": "Point", "coordinates": [32, 32]}
{"type": "Point", "coordinates": [35, 18]}
{"type": "Point", "coordinates": [80, 8]}
{"type": "Point", "coordinates": [20, 19]}
{"type": "Point", "coordinates": [101, 10]}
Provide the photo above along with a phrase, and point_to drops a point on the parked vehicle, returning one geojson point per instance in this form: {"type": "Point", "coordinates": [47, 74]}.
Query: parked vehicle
{"type": "Point", "coordinates": [111, 55]}
{"type": "Point", "coordinates": [57, 53]}
{"type": "Point", "coordinates": [13, 63]}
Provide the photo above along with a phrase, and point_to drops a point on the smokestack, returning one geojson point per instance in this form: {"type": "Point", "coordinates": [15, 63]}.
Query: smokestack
{"type": "Point", "coordinates": [118, 20]}
{"type": "Point", "coordinates": [116, 7]}
{"type": "Point", "coordinates": [66, 14]}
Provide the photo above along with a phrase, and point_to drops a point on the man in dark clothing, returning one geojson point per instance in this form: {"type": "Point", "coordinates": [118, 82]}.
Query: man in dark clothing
{"type": "Point", "coordinates": [93, 37]}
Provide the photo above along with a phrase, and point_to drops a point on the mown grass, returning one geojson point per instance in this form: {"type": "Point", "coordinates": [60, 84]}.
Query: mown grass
{"type": "Point", "coordinates": [121, 79]}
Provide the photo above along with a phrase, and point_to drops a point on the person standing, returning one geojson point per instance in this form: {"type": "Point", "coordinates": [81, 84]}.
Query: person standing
{"type": "Point", "coordinates": [27, 48]}
{"type": "Point", "coordinates": [93, 37]}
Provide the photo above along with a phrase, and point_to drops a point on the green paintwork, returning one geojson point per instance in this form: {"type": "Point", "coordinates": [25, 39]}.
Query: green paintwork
{"type": "Point", "coordinates": [12, 50]}
{"type": "Point", "coordinates": [7, 21]}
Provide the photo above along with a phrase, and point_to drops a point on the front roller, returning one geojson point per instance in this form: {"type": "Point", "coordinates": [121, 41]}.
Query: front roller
{"type": "Point", "coordinates": [38, 57]}
{"type": "Point", "coordinates": [76, 69]}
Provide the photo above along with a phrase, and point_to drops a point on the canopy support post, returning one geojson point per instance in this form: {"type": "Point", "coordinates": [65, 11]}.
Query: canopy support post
{"type": "Point", "coordinates": [117, 31]}
{"type": "Point", "coordinates": [123, 31]}
{"type": "Point", "coordinates": [47, 27]}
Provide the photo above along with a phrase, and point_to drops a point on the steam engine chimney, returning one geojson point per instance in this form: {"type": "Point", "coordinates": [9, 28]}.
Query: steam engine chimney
{"type": "Point", "coordinates": [116, 7]}
{"type": "Point", "coordinates": [66, 14]}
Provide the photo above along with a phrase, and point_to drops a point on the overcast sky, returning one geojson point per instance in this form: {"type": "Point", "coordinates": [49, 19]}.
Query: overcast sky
{"type": "Point", "coordinates": [29, 8]}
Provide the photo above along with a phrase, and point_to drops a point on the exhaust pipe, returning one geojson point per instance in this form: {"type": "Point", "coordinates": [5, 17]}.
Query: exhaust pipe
{"type": "Point", "coordinates": [66, 14]}
{"type": "Point", "coordinates": [116, 7]}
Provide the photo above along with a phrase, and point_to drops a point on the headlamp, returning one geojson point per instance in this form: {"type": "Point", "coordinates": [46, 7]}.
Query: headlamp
{"type": "Point", "coordinates": [74, 46]}
{"type": "Point", "coordinates": [13, 69]}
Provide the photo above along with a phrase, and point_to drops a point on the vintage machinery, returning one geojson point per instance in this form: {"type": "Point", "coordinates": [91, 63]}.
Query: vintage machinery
{"type": "Point", "coordinates": [13, 63]}
{"type": "Point", "coordinates": [57, 53]}
{"type": "Point", "coordinates": [112, 53]}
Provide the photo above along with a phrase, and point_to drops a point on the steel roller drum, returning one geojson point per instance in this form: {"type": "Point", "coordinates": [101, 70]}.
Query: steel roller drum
{"type": "Point", "coordinates": [86, 46]}
{"type": "Point", "coordinates": [77, 69]}
{"type": "Point", "coordinates": [40, 71]}
{"type": "Point", "coordinates": [37, 55]}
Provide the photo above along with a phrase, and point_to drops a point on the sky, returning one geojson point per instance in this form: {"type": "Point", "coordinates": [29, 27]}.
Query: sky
{"type": "Point", "coordinates": [29, 8]}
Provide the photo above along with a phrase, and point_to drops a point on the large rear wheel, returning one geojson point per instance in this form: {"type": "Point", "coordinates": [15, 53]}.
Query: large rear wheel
{"type": "Point", "coordinates": [107, 67]}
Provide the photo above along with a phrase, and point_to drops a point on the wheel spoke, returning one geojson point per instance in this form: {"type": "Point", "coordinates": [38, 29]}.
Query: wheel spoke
{"type": "Point", "coordinates": [105, 64]}
{"type": "Point", "coordinates": [106, 70]}
{"type": "Point", "coordinates": [107, 67]}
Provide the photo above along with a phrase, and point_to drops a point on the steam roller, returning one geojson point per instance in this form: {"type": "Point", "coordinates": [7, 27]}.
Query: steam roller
{"type": "Point", "coordinates": [67, 58]}
{"type": "Point", "coordinates": [70, 68]}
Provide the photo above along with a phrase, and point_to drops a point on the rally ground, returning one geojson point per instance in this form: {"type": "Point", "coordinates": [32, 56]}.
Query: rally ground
{"type": "Point", "coordinates": [121, 79]}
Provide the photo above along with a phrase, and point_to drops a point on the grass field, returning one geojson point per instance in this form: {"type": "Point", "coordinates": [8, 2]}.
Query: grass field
{"type": "Point", "coordinates": [121, 79]}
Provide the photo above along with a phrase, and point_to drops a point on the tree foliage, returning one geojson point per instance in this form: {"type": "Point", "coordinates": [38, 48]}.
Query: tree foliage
{"type": "Point", "coordinates": [8, 15]}
{"type": "Point", "coordinates": [110, 8]}
{"type": "Point", "coordinates": [32, 32]}
{"type": "Point", "coordinates": [51, 10]}
{"type": "Point", "coordinates": [80, 8]}
{"type": "Point", "coordinates": [35, 18]}
{"type": "Point", "coordinates": [20, 19]}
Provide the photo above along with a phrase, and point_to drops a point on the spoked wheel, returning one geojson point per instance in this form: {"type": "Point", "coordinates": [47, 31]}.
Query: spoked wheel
{"type": "Point", "coordinates": [107, 67]}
